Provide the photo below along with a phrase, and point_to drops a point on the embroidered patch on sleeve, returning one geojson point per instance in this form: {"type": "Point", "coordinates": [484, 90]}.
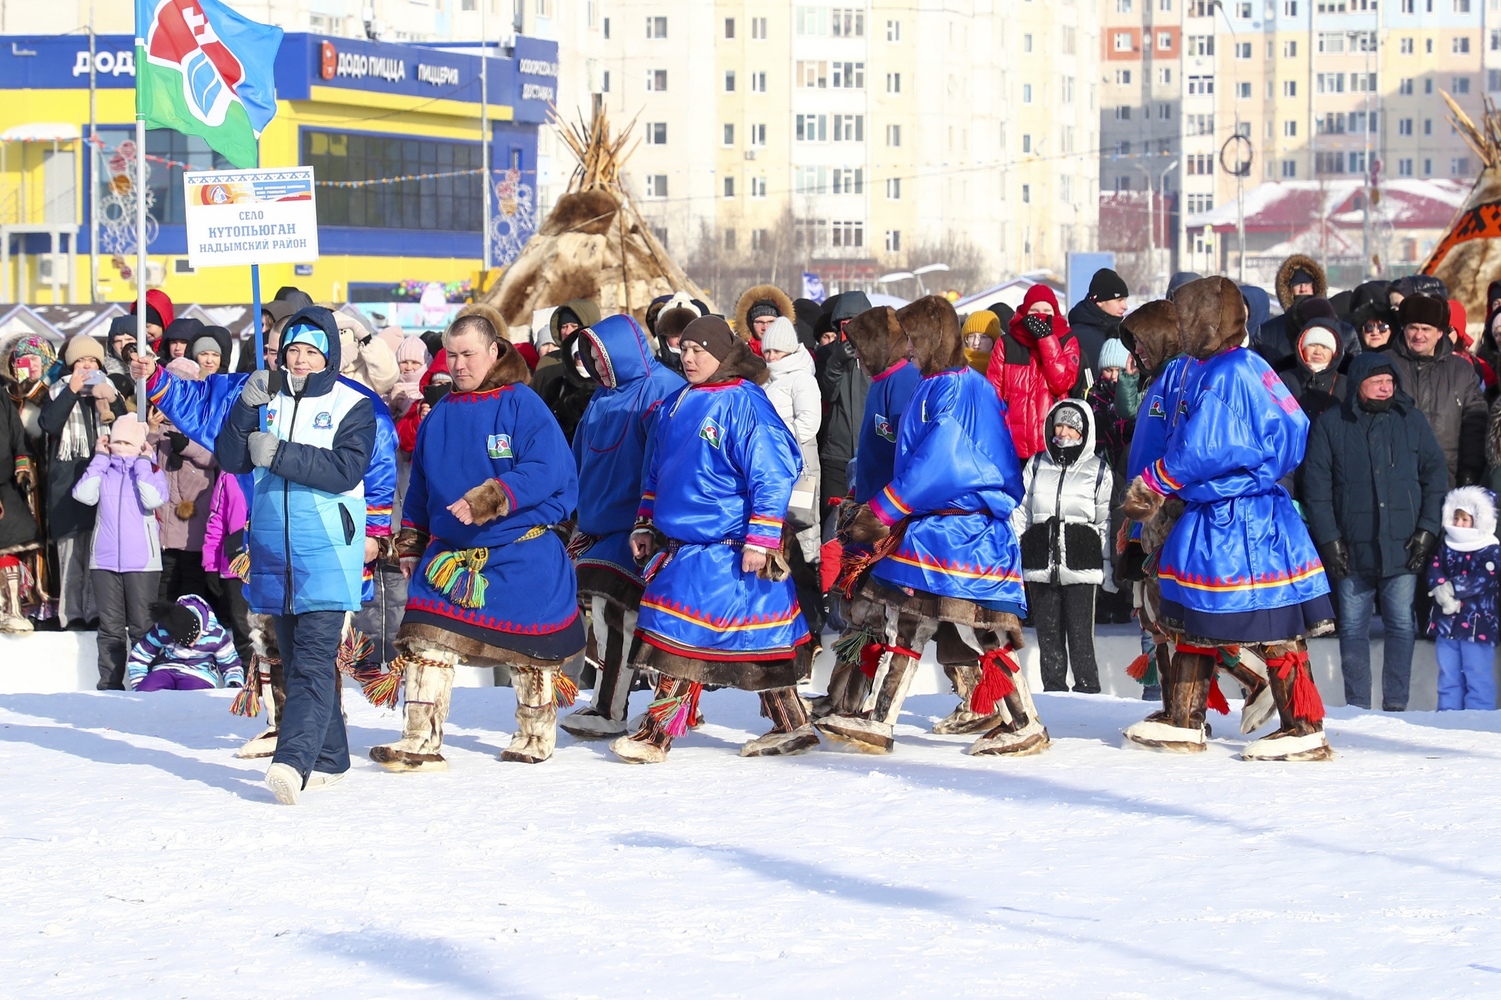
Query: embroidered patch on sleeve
{"type": "Point", "coordinates": [498, 446]}
{"type": "Point", "coordinates": [711, 433]}
{"type": "Point", "coordinates": [884, 428]}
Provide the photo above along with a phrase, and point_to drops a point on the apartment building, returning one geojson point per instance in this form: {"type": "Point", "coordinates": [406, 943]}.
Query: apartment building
{"type": "Point", "coordinates": [1316, 90]}
{"type": "Point", "coordinates": [872, 130]}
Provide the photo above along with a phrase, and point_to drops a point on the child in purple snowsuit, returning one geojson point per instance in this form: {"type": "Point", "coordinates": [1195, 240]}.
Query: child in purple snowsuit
{"type": "Point", "coordinates": [125, 560]}
{"type": "Point", "coordinates": [186, 650]}
{"type": "Point", "coordinates": [1463, 581]}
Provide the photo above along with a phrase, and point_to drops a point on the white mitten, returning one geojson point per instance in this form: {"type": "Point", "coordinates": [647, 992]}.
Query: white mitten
{"type": "Point", "coordinates": [1443, 596]}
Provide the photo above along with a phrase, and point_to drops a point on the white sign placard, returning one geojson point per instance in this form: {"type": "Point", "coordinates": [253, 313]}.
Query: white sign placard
{"type": "Point", "coordinates": [238, 217]}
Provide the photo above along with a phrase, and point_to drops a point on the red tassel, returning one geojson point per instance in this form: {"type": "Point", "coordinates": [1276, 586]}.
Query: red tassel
{"type": "Point", "coordinates": [996, 668]}
{"type": "Point", "coordinates": [871, 653]}
{"type": "Point", "coordinates": [1137, 671]}
{"type": "Point", "coordinates": [829, 556]}
{"type": "Point", "coordinates": [1217, 697]}
{"type": "Point", "coordinates": [1305, 702]}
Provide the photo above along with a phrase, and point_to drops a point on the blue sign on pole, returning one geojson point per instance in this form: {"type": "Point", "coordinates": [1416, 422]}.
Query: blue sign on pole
{"type": "Point", "coordinates": [1081, 269]}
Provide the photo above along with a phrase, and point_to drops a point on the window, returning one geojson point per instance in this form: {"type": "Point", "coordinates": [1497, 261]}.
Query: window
{"type": "Point", "coordinates": [1122, 41]}
{"type": "Point", "coordinates": [847, 22]}
{"type": "Point", "coordinates": [542, 7]}
{"type": "Point", "coordinates": [1165, 113]}
{"type": "Point", "coordinates": [812, 21]}
{"type": "Point", "coordinates": [1289, 88]}
{"type": "Point", "coordinates": [1329, 163]}
{"type": "Point", "coordinates": [893, 189]}
{"type": "Point", "coordinates": [1243, 91]}
{"type": "Point", "coordinates": [729, 187]}
{"type": "Point", "coordinates": [1026, 93]}
{"type": "Point", "coordinates": [1404, 127]}
{"type": "Point", "coordinates": [758, 134]}
{"type": "Point", "coordinates": [1070, 41]}
{"type": "Point", "coordinates": [847, 234]}
{"type": "Point", "coordinates": [1290, 129]}
{"type": "Point", "coordinates": [1427, 167]}
{"type": "Point", "coordinates": [758, 32]}
{"type": "Point", "coordinates": [1493, 80]}
{"type": "Point", "coordinates": [1200, 85]}
{"type": "Point", "coordinates": [1200, 203]}
{"type": "Point", "coordinates": [1123, 78]}
{"type": "Point", "coordinates": [607, 29]}
{"type": "Point", "coordinates": [1066, 189]}
{"type": "Point", "coordinates": [656, 185]}
{"type": "Point", "coordinates": [1427, 126]}
{"type": "Point", "coordinates": [1428, 86]}
{"type": "Point", "coordinates": [1330, 83]}
{"type": "Point", "coordinates": [812, 128]}
{"type": "Point", "coordinates": [758, 187]}
{"type": "Point", "coordinates": [1027, 143]}
{"type": "Point", "coordinates": [1461, 6]}
{"type": "Point", "coordinates": [1242, 50]}
{"type": "Point", "coordinates": [1460, 85]}
{"type": "Point", "coordinates": [1200, 45]}
{"type": "Point", "coordinates": [605, 82]}
{"type": "Point", "coordinates": [1165, 42]}
{"type": "Point", "coordinates": [656, 27]}
{"type": "Point", "coordinates": [811, 74]}
{"type": "Point", "coordinates": [893, 83]}
{"type": "Point", "coordinates": [1404, 168]}
{"type": "Point", "coordinates": [1405, 87]}
{"type": "Point", "coordinates": [1123, 113]}
{"type": "Point", "coordinates": [729, 133]}
{"type": "Point", "coordinates": [1123, 6]}
{"type": "Point", "coordinates": [811, 180]}
{"type": "Point", "coordinates": [656, 79]}
{"type": "Point", "coordinates": [758, 82]}
{"type": "Point", "coordinates": [759, 239]}
{"type": "Point", "coordinates": [1290, 50]}
{"type": "Point", "coordinates": [1289, 8]}
{"type": "Point", "coordinates": [849, 76]}
{"type": "Point", "coordinates": [1200, 164]}
{"type": "Point", "coordinates": [167, 186]}
{"type": "Point", "coordinates": [1405, 46]}
{"type": "Point", "coordinates": [729, 239]}
{"type": "Point", "coordinates": [1408, 6]}
{"type": "Point", "coordinates": [1026, 194]}
{"type": "Point", "coordinates": [1289, 169]}
{"type": "Point", "coordinates": [893, 135]}
{"type": "Point", "coordinates": [729, 81]}
{"type": "Point", "coordinates": [656, 133]}
{"type": "Point", "coordinates": [660, 232]}
{"type": "Point", "coordinates": [893, 31]}
{"type": "Point", "coordinates": [893, 241]}
{"type": "Point", "coordinates": [1364, 83]}
{"type": "Point", "coordinates": [729, 32]}
{"type": "Point", "coordinates": [849, 128]}
{"type": "Point", "coordinates": [1165, 75]}
{"type": "Point", "coordinates": [1122, 183]}
{"type": "Point", "coordinates": [1067, 88]}
{"type": "Point", "coordinates": [1027, 42]}
{"type": "Point", "coordinates": [848, 180]}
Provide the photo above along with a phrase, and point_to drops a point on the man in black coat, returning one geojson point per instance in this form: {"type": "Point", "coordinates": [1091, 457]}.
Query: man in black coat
{"type": "Point", "coordinates": [1443, 385]}
{"type": "Point", "coordinates": [1373, 489]}
{"type": "Point", "coordinates": [1097, 317]}
{"type": "Point", "coordinates": [844, 386]}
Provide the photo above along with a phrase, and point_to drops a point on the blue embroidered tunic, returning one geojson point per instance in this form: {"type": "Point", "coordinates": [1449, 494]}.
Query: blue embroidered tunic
{"type": "Point", "coordinates": [890, 392]}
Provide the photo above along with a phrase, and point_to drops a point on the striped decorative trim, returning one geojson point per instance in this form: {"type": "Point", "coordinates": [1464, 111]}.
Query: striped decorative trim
{"type": "Point", "coordinates": [895, 501]}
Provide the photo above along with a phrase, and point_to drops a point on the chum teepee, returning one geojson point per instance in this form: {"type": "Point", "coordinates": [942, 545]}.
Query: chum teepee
{"type": "Point", "coordinates": [1468, 258]}
{"type": "Point", "coordinates": [593, 244]}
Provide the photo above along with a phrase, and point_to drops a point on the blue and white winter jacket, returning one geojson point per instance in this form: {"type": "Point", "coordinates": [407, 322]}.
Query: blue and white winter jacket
{"type": "Point", "coordinates": [307, 537]}
{"type": "Point", "coordinates": [211, 658]}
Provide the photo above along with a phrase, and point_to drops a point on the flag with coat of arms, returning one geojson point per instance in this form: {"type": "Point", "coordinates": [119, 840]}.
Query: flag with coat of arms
{"type": "Point", "coordinates": [206, 70]}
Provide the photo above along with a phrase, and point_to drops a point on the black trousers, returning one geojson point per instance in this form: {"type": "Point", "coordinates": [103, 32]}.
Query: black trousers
{"type": "Point", "coordinates": [124, 602]}
{"type": "Point", "coordinates": [182, 574]}
{"type": "Point", "coordinates": [312, 733]}
{"type": "Point", "coordinates": [1064, 618]}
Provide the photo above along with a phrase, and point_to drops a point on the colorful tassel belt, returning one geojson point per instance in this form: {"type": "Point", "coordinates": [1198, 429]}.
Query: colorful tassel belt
{"type": "Point", "coordinates": [459, 573]}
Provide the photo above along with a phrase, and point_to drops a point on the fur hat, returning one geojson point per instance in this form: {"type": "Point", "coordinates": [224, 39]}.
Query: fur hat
{"type": "Point", "coordinates": [83, 346]}
{"type": "Point", "coordinates": [127, 429]}
{"type": "Point", "coordinates": [1420, 308]}
{"type": "Point", "coordinates": [1290, 267]}
{"type": "Point", "coordinates": [1211, 316]}
{"type": "Point", "coordinates": [1113, 354]}
{"type": "Point", "coordinates": [933, 327]}
{"type": "Point", "coordinates": [490, 313]}
{"type": "Point", "coordinates": [1151, 333]}
{"type": "Point", "coordinates": [759, 295]}
{"type": "Point", "coordinates": [878, 338]}
{"type": "Point", "coordinates": [781, 336]}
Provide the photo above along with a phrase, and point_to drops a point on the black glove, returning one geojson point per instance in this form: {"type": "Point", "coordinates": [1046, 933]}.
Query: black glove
{"type": "Point", "coordinates": [1038, 326]}
{"type": "Point", "coordinates": [1419, 548]}
{"type": "Point", "coordinates": [1336, 558]}
{"type": "Point", "coordinates": [178, 441]}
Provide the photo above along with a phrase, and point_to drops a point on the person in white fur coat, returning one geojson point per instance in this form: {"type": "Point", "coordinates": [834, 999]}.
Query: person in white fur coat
{"type": "Point", "coordinates": [793, 390]}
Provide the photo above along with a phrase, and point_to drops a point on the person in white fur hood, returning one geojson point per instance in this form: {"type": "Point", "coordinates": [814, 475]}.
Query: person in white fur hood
{"type": "Point", "coordinates": [793, 390]}
{"type": "Point", "coordinates": [1463, 581]}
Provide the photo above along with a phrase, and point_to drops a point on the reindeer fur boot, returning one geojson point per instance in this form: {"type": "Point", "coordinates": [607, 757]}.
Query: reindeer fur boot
{"type": "Point", "coordinates": [1185, 696]}
{"type": "Point", "coordinates": [536, 716]}
{"type": "Point", "coordinates": [266, 670]}
{"type": "Point", "coordinates": [612, 686]}
{"type": "Point", "coordinates": [428, 680]}
{"type": "Point", "coordinates": [1020, 733]}
{"type": "Point", "coordinates": [962, 721]}
{"type": "Point", "coordinates": [1301, 735]}
{"type": "Point", "coordinates": [791, 732]}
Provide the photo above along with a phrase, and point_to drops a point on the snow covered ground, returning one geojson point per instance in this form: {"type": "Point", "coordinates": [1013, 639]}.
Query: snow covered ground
{"type": "Point", "coordinates": [142, 860]}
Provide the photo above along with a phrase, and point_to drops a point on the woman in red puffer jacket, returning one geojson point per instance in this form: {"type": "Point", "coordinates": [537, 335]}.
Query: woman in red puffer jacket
{"type": "Point", "coordinates": [1034, 366]}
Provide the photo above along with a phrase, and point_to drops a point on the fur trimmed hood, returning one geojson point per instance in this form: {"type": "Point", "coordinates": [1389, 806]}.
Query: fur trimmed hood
{"type": "Point", "coordinates": [1285, 271]}
{"type": "Point", "coordinates": [1480, 504]}
{"type": "Point", "coordinates": [509, 369]}
{"type": "Point", "coordinates": [744, 363]}
{"type": "Point", "coordinates": [933, 327]}
{"type": "Point", "coordinates": [760, 293]}
{"type": "Point", "coordinates": [878, 338]}
{"type": "Point", "coordinates": [1150, 332]}
{"type": "Point", "coordinates": [1211, 316]}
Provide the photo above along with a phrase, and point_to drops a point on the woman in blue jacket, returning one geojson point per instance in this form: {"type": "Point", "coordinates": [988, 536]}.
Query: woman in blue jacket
{"type": "Point", "coordinates": [307, 541]}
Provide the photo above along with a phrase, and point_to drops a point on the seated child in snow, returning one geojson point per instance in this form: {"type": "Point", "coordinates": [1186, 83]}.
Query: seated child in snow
{"type": "Point", "coordinates": [187, 649]}
{"type": "Point", "coordinates": [1462, 579]}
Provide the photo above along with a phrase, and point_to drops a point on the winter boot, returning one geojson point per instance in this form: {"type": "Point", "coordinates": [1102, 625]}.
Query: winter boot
{"type": "Point", "coordinates": [1021, 733]}
{"type": "Point", "coordinates": [965, 678]}
{"type": "Point", "coordinates": [848, 689]}
{"type": "Point", "coordinates": [1301, 710]}
{"type": "Point", "coordinates": [268, 673]}
{"type": "Point", "coordinates": [1260, 706]}
{"type": "Point", "coordinates": [873, 732]}
{"type": "Point", "coordinates": [13, 618]}
{"type": "Point", "coordinates": [285, 783]}
{"type": "Point", "coordinates": [1185, 694]}
{"type": "Point", "coordinates": [428, 678]}
{"type": "Point", "coordinates": [791, 732]}
{"type": "Point", "coordinates": [536, 716]}
{"type": "Point", "coordinates": [612, 687]}
{"type": "Point", "coordinates": [667, 717]}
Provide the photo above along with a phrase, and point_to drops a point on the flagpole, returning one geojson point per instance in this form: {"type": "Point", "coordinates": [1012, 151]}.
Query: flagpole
{"type": "Point", "coordinates": [484, 126]}
{"type": "Point", "coordinates": [141, 344]}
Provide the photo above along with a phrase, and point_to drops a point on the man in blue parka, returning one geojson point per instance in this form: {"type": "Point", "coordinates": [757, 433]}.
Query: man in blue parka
{"type": "Point", "coordinates": [612, 448]}
{"type": "Point", "coordinates": [306, 534]}
{"type": "Point", "coordinates": [1238, 571]}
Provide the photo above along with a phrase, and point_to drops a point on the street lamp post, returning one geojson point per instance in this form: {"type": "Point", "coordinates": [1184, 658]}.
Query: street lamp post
{"type": "Point", "coordinates": [1152, 212]}
{"type": "Point", "coordinates": [915, 274]}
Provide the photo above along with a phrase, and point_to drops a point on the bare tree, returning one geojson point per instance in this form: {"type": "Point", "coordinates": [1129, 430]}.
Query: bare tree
{"type": "Point", "coordinates": [769, 256]}
{"type": "Point", "coordinates": [969, 266]}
